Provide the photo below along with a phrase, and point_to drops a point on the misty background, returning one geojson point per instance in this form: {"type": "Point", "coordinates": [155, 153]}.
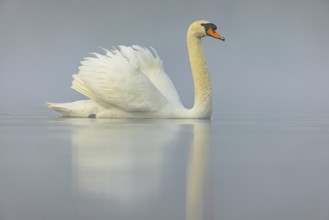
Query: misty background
{"type": "Point", "coordinates": [273, 64]}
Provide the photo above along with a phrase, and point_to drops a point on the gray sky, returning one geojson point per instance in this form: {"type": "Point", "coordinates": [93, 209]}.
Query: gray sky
{"type": "Point", "coordinates": [274, 63]}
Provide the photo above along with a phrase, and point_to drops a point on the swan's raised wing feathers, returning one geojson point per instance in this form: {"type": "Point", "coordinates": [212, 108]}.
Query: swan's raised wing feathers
{"type": "Point", "coordinates": [129, 78]}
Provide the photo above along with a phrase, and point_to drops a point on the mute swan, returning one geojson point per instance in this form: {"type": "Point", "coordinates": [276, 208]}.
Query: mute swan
{"type": "Point", "coordinates": [130, 82]}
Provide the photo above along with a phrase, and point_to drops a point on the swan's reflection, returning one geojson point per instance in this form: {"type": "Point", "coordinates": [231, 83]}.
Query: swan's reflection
{"type": "Point", "coordinates": [126, 160]}
{"type": "Point", "coordinates": [120, 159]}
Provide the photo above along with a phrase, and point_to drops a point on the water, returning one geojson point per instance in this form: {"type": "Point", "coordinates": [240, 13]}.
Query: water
{"type": "Point", "coordinates": [61, 168]}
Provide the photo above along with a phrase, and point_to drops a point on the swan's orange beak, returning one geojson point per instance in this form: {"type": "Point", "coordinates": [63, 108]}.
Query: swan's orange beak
{"type": "Point", "coordinates": [211, 32]}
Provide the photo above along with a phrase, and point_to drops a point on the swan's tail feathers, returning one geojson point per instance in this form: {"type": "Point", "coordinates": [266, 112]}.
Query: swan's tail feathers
{"type": "Point", "coordinates": [83, 108]}
{"type": "Point", "coordinates": [59, 107]}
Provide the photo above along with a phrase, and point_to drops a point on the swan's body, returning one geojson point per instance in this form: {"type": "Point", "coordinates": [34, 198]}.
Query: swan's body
{"type": "Point", "coordinates": [130, 82]}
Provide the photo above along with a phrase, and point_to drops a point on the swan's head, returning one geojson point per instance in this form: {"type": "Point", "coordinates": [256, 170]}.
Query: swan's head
{"type": "Point", "coordinates": [203, 28]}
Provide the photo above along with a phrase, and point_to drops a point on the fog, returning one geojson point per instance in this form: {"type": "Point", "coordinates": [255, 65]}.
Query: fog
{"type": "Point", "coordinates": [274, 62]}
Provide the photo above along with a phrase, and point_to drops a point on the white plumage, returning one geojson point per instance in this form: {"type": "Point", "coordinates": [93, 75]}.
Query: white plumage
{"type": "Point", "coordinates": [126, 82]}
{"type": "Point", "coordinates": [129, 78]}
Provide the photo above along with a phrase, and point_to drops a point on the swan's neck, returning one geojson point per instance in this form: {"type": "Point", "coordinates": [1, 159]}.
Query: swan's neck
{"type": "Point", "coordinates": [202, 86]}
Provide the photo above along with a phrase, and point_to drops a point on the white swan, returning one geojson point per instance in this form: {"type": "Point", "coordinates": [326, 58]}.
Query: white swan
{"type": "Point", "coordinates": [130, 82]}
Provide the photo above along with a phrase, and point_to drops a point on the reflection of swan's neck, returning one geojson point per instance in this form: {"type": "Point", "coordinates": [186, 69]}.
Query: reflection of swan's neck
{"type": "Point", "coordinates": [202, 87]}
{"type": "Point", "coordinates": [197, 168]}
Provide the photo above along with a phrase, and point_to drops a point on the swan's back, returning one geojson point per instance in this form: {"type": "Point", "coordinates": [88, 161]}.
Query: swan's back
{"type": "Point", "coordinates": [129, 78]}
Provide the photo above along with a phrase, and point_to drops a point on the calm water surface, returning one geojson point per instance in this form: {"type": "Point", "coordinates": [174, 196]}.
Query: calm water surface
{"type": "Point", "coordinates": [82, 169]}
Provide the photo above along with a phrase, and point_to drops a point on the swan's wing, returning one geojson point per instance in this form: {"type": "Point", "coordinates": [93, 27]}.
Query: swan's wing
{"type": "Point", "coordinates": [151, 65]}
{"type": "Point", "coordinates": [127, 78]}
